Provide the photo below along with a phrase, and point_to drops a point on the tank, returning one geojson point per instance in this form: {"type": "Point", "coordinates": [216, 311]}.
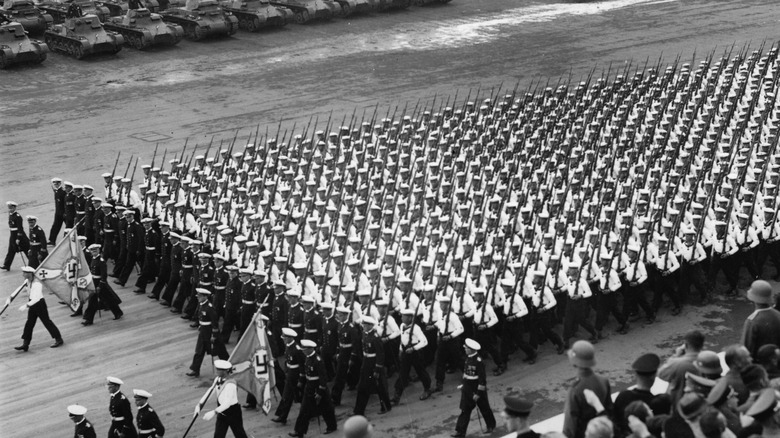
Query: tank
{"type": "Point", "coordinates": [254, 15]}
{"type": "Point", "coordinates": [349, 7]}
{"type": "Point", "coordinates": [202, 19]}
{"type": "Point", "coordinates": [82, 36]}
{"type": "Point", "coordinates": [430, 2]}
{"type": "Point", "coordinates": [17, 48]}
{"type": "Point", "coordinates": [118, 8]}
{"type": "Point", "coordinates": [309, 10]}
{"type": "Point", "coordinates": [393, 4]}
{"type": "Point", "coordinates": [59, 10]}
{"type": "Point", "coordinates": [141, 29]}
{"type": "Point", "coordinates": [27, 14]}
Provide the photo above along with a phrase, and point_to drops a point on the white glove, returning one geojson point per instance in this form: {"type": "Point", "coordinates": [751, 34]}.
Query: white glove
{"type": "Point", "coordinates": [197, 410]}
{"type": "Point", "coordinates": [209, 415]}
{"type": "Point", "coordinates": [23, 307]}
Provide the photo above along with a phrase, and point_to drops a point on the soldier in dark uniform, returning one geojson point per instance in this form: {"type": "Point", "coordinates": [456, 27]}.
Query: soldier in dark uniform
{"type": "Point", "coordinates": [295, 312]}
{"type": "Point", "coordinates": [18, 241]}
{"type": "Point", "coordinates": [207, 343]}
{"type": "Point", "coordinates": [516, 412]}
{"type": "Point", "coordinates": [149, 424]}
{"type": "Point", "coordinates": [135, 247]}
{"type": "Point", "coordinates": [110, 232]}
{"type": "Point", "coordinates": [204, 279]}
{"type": "Point", "coordinates": [165, 249]}
{"type": "Point", "coordinates": [278, 320]}
{"type": "Point", "coordinates": [38, 251]}
{"type": "Point", "coordinates": [221, 279]}
{"type": "Point", "coordinates": [232, 303]}
{"type": "Point", "coordinates": [70, 201]}
{"type": "Point", "coordinates": [89, 215]}
{"type": "Point", "coordinates": [119, 408]}
{"type": "Point", "coordinates": [152, 254]}
{"type": "Point", "coordinates": [473, 392]}
{"type": "Point", "coordinates": [59, 210]}
{"type": "Point", "coordinates": [293, 365]}
{"type": "Point", "coordinates": [329, 339]}
{"type": "Point", "coordinates": [645, 367]}
{"type": "Point", "coordinates": [348, 351]}
{"type": "Point", "coordinates": [81, 209]}
{"type": "Point", "coordinates": [98, 218]}
{"type": "Point", "coordinates": [312, 320]}
{"type": "Point", "coordinates": [84, 428]}
{"type": "Point", "coordinates": [121, 241]}
{"type": "Point", "coordinates": [177, 254]}
{"type": "Point", "coordinates": [373, 376]}
{"type": "Point", "coordinates": [103, 295]}
{"type": "Point", "coordinates": [316, 397]}
{"type": "Point", "coordinates": [185, 276]}
{"type": "Point", "coordinates": [248, 305]}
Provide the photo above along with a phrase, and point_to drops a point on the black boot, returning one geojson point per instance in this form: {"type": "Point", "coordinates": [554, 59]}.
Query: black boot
{"type": "Point", "coordinates": [57, 343]}
{"type": "Point", "coordinates": [24, 347]}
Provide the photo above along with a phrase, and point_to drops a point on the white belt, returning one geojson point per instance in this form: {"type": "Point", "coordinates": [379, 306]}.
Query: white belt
{"type": "Point", "coordinates": [219, 287]}
{"type": "Point", "coordinates": [345, 345]}
{"type": "Point", "coordinates": [369, 354]}
{"type": "Point", "coordinates": [247, 302]}
{"type": "Point", "coordinates": [150, 248]}
{"type": "Point", "coordinates": [117, 418]}
{"type": "Point", "coordinates": [292, 367]}
{"type": "Point", "coordinates": [294, 325]}
{"type": "Point", "coordinates": [14, 229]}
{"type": "Point", "coordinates": [467, 377]}
{"type": "Point", "coordinates": [205, 323]}
{"type": "Point", "coordinates": [108, 231]}
{"type": "Point", "coordinates": [186, 266]}
{"type": "Point", "coordinates": [96, 276]}
{"type": "Point", "coordinates": [205, 284]}
{"type": "Point", "coordinates": [81, 212]}
{"type": "Point", "coordinates": [35, 243]}
{"type": "Point", "coordinates": [311, 330]}
{"type": "Point", "coordinates": [313, 378]}
{"type": "Point", "coordinates": [147, 430]}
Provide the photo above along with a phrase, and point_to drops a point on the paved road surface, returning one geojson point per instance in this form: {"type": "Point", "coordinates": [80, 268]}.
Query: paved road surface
{"type": "Point", "coordinates": [68, 118]}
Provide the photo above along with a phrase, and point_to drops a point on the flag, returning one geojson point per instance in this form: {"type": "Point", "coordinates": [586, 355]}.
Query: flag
{"type": "Point", "coordinates": [253, 363]}
{"type": "Point", "coordinates": [65, 272]}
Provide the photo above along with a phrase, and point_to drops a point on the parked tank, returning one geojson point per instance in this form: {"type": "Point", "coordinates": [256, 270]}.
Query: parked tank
{"type": "Point", "coordinates": [393, 4]}
{"type": "Point", "coordinates": [142, 29]}
{"type": "Point", "coordinates": [349, 7]}
{"type": "Point", "coordinates": [254, 15]}
{"type": "Point", "coordinates": [27, 14]}
{"type": "Point", "coordinates": [17, 48]}
{"type": "Point", "coordinates": [59, 10]}
{"type": "Point", "coordinates": [202, 19]}
{"type": "Point", "coordinates": [82, 36]}
{"type": "Point", "coordinates": [308, 10]}
{"type": "Point", "coordinates": [430, 2]}
{"type": "Point", "coordinates": [118, 8]}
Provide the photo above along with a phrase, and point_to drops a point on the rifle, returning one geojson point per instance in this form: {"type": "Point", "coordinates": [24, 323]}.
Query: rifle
{"type": "Point", "coordinates": [113, 172]}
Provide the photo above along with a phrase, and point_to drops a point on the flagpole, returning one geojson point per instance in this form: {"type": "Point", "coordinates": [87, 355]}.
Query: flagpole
{"type": "Point", "coordinates": [13, 295]}
{"type": "Point", "coordinates": [200, 405]}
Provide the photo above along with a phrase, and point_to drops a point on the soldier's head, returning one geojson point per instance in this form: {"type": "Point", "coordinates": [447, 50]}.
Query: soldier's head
{"type": "Point", "coordinates": [141, 397]}
{"type": "Point", "coordinates": [252, 247]}
{"type": "Point", "coordinates": [307, 301]}
{"type": "Point", "coordinates": [364, 296]}
{"type": "Point", "coordinates": [368, 324]}
{"type": "Point", "coordinates": [244, 274]}
{"type": "Point", "coordinates": [293, 296]}
{"type": "Point", "coordinates": [381, 307]}
{"type": "Point", "coordinates": [204, 258]}
{"type": "Point", "coordinates": [471, 346]}
{"type": "Point", "coordinates": [224, 368]}
{"type": "Point", "coordinates": [56, 183]}
{"type": "Point", "coordinates": [68, 186]}
{"type": "Point", "coordinates": [444, 303]}
{"type": "Point", "coordinates": [203, 294]}
{"type": "Point", "coordinates": [76, 413]}
{"type": "Point", "coordinates": [232, 271]}
{"type": "Point", "coordinates": [113, 384]}
{"type": "Point", "coordinates": [31, 221]}
{"type": "Point", "coordinates": [129, 216]}
{"type": "Point", "coordinates": [479, 294]}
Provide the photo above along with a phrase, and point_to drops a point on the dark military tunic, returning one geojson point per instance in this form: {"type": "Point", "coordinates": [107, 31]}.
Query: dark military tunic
{"type": "Point", "coordinates": [221, 279]}
{"type": "Point", "coordinates": [295, 319]}
{"type": "Point", "coordinates": [16, 225]}
{"type": "Point", "coordinates": [248, 305]}
{"type": "Point", "coordinates": [104, 296]}
{"type": "Point", "coordinates": [121, 416]}
{"type": "Point", "coordinates": [207, 325]}
{"type": "Point", "coordinates": [312, 325]}
{"type": "Point", "coordinates": [278, 321]}
{"type": "Point", "coordinates": [294, 360]}
{"type": "Point", "coordinates": [70, 209]}
{"type": "Point", "coordinates": [316, 397]}
{"type": "Point", "coordinates": [84, 429]}
{"type": "Point", "coordinates": [373, 376]}
{"type": "Point", "coordinates": [38, 250]}
{"type": "Point", "coordinates": [474, 383]}
{"type": "Point", "coordinates": [177, 256]}
{"type": "Point", "coordinates": [149, 425]}
{"type": "Point", "coordinates": [59, 214]}
{"type": "Point", "coordinates": [232, 308]}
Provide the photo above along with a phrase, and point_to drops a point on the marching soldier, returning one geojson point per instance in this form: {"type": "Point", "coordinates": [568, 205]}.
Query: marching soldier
{"type": "Point", "coordinates": [110, 232]}
{"type": "Point", "coordinates": [232, 303]}
{"type": "Point", "coordinates": [70, 205]}
{"type": "Point", "coordinates": [18, 241]}
{"type": "Point", "coordinates": [373, 376]}
{"type": "Point", "coordinates": [473, 391]}
{"type": "Point", "coordinates": [448, 343]}
{"type": "Point", "coordinates": [119, 408]}
{"type": "Point", "coordinates": [36, 309]}
{"type": "Point", "coordinates": [104, 294]}
{"type": "Point", "coordinates": [165, 263]}
{"type": "Point", "coordinates": [134, 247]}
{"type": "Point", "coordinates": [293, 366]}
{"type": "Point", "coordinates": [228, 411]}
{"type": "Point", "coordinates": [208, 340]}
{"type": "Point", "coordinates": [316, 397]}
{"type": "Point", "coordinates": [59, 210]}
{"type": "Point", "coordinates": [413, 341]}
{"type": "Point", "coordinates": [149, 424]}
{"type": "Point", "coordinates": [312, 320]}
{"type": "Point", "coordinates": [177, 257]}
{"type": "Point", "coordinates": [349, 353]}
{"type": "Point", "coordinates": [151, 258]}
{"type": "Point", "coordinates": [84, 428]}
{"type": "Point", "coordinates": [38, 251]}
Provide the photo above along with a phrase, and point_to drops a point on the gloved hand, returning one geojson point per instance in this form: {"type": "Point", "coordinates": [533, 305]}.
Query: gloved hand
{"type": "Point", "coordinates": [23, 307]}
{"type": "Point", "coordinates": [209, 415]}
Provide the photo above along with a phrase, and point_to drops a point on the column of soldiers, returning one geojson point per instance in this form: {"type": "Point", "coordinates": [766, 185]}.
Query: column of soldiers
{"type": "Point", "coordinates": [388, 241]}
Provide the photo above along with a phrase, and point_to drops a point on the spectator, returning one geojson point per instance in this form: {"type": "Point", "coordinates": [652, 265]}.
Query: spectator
{"type": "Point", "coordinates": [673, 371]}
{"type": "Point", "coordinates": [724, 398]}
{"type": "Point", "coordinates": [577, 410]}
{"type": "Point", "coordinates": [756, 380]}
{"type": "Point", "coordinates": [763, 325]}
{"type": "Point", "coordinates": [698, 384]}
{"type": "Point", "coordinates": [357, 426]}
{"type": "Point", "coordinates": [599, 427]}
{"type": "Point", "coordinates": [554, 435]}
{"type": "Point", "coordinates": [645, 368]}
{"type": "Point", "coordinates": [516, 412]}
{"type": "Point", "coordinates": [767, 357]}
{"type": "Point", "coordinates": [639, 411]}
{"type": "Point", "coordinates": [713, 425]}
{"type": "Point", "coordinates": [737, 357]}
{"type": "Point", "coordinates": [708, 364]}
{"type": "Point", "coordinates": [684, 422]}
{"type": "Point", "coordinates": [763, 411]}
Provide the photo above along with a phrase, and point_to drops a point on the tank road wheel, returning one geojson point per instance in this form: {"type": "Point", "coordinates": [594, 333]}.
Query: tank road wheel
{"type": "Point", "coordinates": [197, 33]}
{"type": "Point", "coordinates": [302, 17]}
{"type": "Point", "coordinates": [137, 42]}
{"type": "Point", "coordinates": [41, 58]}
{"type": "Point", "coordinates": [78, 51]}
{"type": "Point", "coordinates": [346, 10]}
{"type": "Point", "coordinates": [3, 61]}
{"type": "Point", "coordinates": [253, 24]}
